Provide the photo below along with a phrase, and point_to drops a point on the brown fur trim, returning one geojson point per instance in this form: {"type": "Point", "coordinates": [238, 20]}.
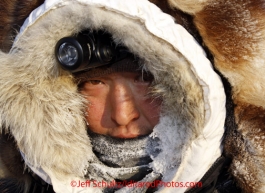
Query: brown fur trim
{"type": "Point", "coordinates": [12, 15]}
{"type": "Point", "coordinates": [9, 185]}
{"type": "Point", "coordinates": [246, 146]}
{"type": "Point", "coordinates": [12, 167]}
{"type": "Point", "coordinates": [234, 31]}
{"type": "Point", "coordinates": [226, 33]}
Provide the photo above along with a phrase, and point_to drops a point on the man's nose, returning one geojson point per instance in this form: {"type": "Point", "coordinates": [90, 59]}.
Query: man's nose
{"type": "Point", "coordinates": [124, 107]}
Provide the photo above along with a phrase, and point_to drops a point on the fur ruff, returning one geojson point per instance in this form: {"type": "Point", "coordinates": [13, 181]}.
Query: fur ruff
{"type": "Point", "coordinates": [234, 32]}
{"type": "Point", "coordinates": [42, 100]}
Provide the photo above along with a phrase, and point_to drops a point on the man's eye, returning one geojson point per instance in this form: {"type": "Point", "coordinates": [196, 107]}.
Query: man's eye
{"type": "Point", "coordinates": [95, 82]}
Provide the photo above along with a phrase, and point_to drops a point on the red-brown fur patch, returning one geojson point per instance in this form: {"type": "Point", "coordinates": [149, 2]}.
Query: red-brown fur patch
{"type": "Point", "coordinates": [246, 146]}
{"type": "Point", "coordinates": [12, 16]}
{"type": "Point", "coordinates": [229, 29]}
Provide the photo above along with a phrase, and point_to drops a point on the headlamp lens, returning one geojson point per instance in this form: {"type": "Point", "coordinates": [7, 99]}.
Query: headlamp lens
{"type": "Point", "coordinates": [68, 54]}
{"type": "Point", "coordinates": [88, 50]}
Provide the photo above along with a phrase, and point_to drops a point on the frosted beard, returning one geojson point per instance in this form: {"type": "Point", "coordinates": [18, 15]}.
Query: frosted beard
{"type": "Point", "coordinates": [136, 160]}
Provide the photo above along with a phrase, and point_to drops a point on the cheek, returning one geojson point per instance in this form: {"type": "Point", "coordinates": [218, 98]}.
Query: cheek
{"type": "Point", "coordinates": [95, 112]}
{"type": "Point", "coordinates": [151, 109]}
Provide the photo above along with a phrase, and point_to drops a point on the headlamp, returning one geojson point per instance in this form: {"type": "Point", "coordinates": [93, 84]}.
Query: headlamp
{"type": "Point", "coordinates": [88, 50]}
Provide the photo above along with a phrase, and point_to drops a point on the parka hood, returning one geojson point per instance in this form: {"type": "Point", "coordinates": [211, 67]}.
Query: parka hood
{"type": "Point", "coordinates": [42, 109]}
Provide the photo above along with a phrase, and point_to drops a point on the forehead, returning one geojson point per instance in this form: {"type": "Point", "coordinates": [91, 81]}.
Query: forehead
{"type": "Point", "coordinates": [122, 67]}
{"type": "Point", "coordinates": [114, 75]}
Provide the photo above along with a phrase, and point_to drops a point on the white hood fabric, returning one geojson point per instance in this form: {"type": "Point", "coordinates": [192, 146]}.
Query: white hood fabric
{"type": "Point", "coordinates": [49, 125]}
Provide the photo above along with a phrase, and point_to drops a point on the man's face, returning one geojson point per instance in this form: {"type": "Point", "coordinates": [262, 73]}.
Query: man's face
{"type": "Point", "coordinates": [119, 105]}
